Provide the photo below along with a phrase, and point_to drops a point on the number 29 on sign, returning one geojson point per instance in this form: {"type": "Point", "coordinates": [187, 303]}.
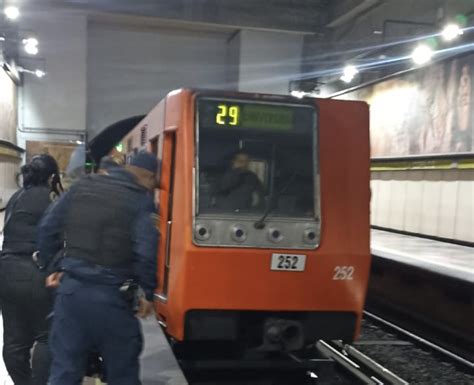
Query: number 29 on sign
{"type": "Point", "coordinates": [227, 115]}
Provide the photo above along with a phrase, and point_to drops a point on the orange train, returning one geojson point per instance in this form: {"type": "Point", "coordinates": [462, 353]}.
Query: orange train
{"type": "Point", "coordinates": [274, 263]}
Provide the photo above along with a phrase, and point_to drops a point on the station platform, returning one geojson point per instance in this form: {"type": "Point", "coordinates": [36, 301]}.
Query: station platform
{"type": "Point", "coordinates": [158, 365]}
{"type": "Point", "coordinates": [425, 286]}
{"type": "Point", "coordinates": [443, 258]}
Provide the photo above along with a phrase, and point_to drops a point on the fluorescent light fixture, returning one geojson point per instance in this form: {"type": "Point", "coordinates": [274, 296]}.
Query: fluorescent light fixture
{"type": "Point", "coordinates": [38, 73]}
{"type": "Point", "coordinates": [31, 45]}
{"type": "Point", "coordinates": [297, 94]}
{"type": "Point", "coordinates": [348, 74]}
{"type": "Point", "coordinates": [451, 32]}
{"type": "Point", "coordinates": [422, 54]}
{"type": "Point", "coordinates": [30, 41]}
{"type": "Point", "coordinates": [31, 49]}
{"type": "Point", "coordinates": [11, 12]}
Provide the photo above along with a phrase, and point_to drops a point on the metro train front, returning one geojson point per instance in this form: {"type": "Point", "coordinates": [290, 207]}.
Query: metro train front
{"type": "Point", "coordinates": [292, 266]}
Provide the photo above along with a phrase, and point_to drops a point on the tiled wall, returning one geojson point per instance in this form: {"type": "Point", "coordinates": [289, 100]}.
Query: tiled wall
{"type": "Point", "coordinates": [431, 202]}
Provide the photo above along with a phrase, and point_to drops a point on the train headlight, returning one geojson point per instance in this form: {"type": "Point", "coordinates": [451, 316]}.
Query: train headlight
{"type": "Point", "coordinates": [202, 232]}
{"type": "Point", "coordinates": [275, 235]}
{"type": "Point", "coordinates": [310, 236]}
{"type": "Point", "coordinates": [238, 233]}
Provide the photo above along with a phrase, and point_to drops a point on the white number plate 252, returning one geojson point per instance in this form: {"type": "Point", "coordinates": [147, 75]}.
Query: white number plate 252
{"type": "Point", "coordinates": [288, 262]}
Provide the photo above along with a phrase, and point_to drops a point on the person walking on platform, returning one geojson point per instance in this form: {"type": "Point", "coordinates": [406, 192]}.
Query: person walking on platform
{"type": "Point", "coordinates": [109, 271]}
{"type": "Point", "coordinates": [25, 300]}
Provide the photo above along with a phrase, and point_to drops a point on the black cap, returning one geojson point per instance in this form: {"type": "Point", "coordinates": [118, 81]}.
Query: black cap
{"type": "Point", "coordinates": [108, 163]}
{"type": "Point", "coordinates": [145, 160]}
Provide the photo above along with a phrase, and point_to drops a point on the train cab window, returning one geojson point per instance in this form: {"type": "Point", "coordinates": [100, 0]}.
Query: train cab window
{"type": "Point", "coordinates": [256, 159]}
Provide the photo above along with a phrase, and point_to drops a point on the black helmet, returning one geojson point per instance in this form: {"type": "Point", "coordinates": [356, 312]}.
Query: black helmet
{"type": "Point", "coordinates": [38, 171]}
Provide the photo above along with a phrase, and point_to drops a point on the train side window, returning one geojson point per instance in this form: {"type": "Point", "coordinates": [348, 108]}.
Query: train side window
{"type": "Point", "coordinates": [154, 145]}
{"type": "Point", "coordinates": [157, 149]}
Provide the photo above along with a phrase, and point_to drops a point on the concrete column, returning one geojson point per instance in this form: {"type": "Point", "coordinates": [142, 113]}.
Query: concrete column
{"type": "Point", "coordinates": [233, 62]}
{"type": "Point", "coordinates": [56, 103]}
{"type": "Point", "coordinates": [269, 60]}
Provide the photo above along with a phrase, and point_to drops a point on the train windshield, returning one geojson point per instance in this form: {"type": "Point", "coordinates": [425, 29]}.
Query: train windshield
{"type": "Point", "coordinates": [256, 159]}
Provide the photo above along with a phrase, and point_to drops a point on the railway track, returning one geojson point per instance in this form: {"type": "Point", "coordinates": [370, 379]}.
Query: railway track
{"type": "Point", "coordinates": [446, 353]}
{"type": "Point", "coordinates": [388, 354]}
{"type": "Point", "coordinates": [363, 368]}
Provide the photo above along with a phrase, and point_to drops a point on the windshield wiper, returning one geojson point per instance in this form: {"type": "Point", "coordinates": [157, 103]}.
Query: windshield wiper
{"type": "Point", "coordinates": [260, 224]}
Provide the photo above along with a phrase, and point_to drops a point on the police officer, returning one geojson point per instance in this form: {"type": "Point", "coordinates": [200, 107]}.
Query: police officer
{"type": "Point", "coordinates": [110, 240]}
{"type": "Point", "coordinates": [25, 300]}
{"type": "Point", "coordinates": [108, 164]}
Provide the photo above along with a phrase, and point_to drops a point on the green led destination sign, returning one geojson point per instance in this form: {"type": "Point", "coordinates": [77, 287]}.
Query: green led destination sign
{"type": "Point", "coordinates": [227, 114]}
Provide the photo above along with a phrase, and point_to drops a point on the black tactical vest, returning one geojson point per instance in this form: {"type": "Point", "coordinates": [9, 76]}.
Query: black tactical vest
{"type": "Point", "coordinates": [23, 214]}
{"type": "Point", "coordinates": [99, 220]}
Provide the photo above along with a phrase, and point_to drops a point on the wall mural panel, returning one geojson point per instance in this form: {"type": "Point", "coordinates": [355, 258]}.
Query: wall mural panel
{"type": "Point", "coordinates": [59, 150]}
{"type": "Point", "coordinates": [425, 112]}
{"type": "Point", "coordinates": [8, 120]}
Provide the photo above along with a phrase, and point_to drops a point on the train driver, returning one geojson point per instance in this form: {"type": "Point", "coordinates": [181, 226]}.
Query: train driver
{"type": "Point", "coordinates": [240, 188]}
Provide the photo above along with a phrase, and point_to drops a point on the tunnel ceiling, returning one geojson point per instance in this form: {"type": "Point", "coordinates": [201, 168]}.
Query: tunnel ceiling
{"type": "Point", "coordinates": [288, 15]}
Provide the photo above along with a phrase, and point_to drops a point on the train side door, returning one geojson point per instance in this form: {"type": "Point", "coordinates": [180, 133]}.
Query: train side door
{"type": "Point", "coordinates": [166, 154]}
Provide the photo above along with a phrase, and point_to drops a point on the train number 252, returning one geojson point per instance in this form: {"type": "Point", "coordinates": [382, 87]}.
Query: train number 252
{"type": "Point", "coordinates": [343, 273]}
{"type": "Point", "coordinates": [288, 262]}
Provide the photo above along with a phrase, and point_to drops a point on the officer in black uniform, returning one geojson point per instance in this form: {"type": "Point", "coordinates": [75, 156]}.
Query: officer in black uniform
{"type": "Point", "coordinates": [25, 300]}
{"type": "Point", "coordinates": [110, 257]}
{"type": "Point", "coordinates": [108, 164]}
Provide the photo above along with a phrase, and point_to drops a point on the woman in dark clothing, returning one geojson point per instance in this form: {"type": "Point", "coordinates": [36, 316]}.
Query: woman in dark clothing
{"type": "Point", "coordinates": [26, 302]}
